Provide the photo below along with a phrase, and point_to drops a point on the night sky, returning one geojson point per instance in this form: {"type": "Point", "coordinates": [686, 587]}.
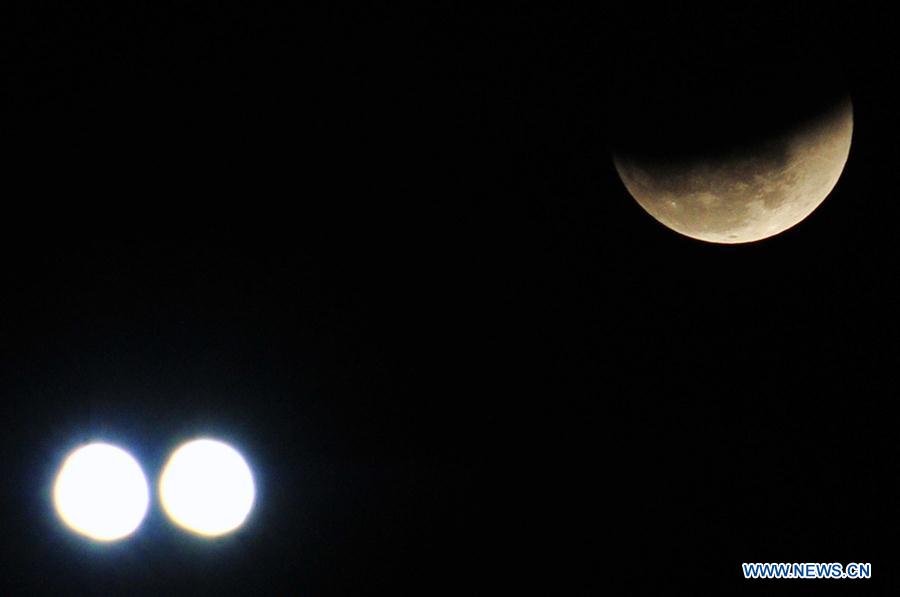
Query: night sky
{"type": "Point", "coordinates": [387, 256]}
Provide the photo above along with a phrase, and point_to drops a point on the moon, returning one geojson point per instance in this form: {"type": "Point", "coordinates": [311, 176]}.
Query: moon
{"type": "Point", "coordinates": [749, 193]}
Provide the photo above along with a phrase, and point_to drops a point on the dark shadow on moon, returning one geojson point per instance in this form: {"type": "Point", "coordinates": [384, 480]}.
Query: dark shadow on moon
{"type": "Point", "coordinates": [695, 90]}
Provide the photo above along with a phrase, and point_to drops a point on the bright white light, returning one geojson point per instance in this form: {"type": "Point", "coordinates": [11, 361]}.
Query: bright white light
{"type": "Point", "coordinates": [206, 487]}
{"type": "Point", "coordinates": [101, 492]}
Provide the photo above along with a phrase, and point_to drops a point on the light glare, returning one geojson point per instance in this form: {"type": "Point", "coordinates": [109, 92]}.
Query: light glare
{"type": "Point", "coordinates": [207, 488]}
{"type": "Point", "coordinates": [101, 492]}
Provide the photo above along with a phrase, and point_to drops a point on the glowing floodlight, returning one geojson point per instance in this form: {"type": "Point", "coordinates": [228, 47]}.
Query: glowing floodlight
{"type": "Point", "coordinates": [207, 488]}
{"type": "Point", "coordinates": [101, 492]}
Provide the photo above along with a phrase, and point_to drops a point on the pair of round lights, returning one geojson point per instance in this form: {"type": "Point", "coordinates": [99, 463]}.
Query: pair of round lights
{"type": "Point", "coordinates": [205, 487]}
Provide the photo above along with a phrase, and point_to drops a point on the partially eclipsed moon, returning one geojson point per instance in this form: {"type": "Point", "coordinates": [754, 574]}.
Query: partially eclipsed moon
{"type": "Point", "coordinates": [750, 195]}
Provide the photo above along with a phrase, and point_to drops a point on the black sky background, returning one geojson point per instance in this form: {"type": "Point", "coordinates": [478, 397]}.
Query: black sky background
{"type": "Point", "coordinates": [387, 255]}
